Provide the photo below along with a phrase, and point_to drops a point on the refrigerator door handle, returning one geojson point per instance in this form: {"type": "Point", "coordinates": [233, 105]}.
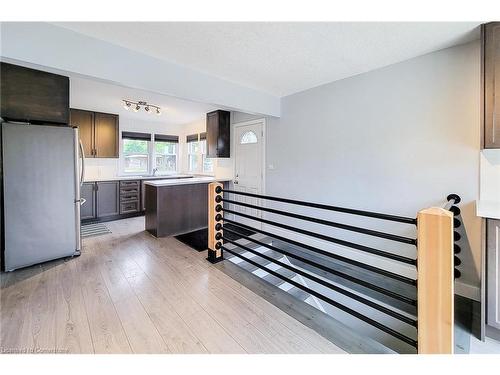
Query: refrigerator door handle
{"type": "Point", "coordinates": [78, 184]}
{"type": "Point", "coordinates": [82, 173]}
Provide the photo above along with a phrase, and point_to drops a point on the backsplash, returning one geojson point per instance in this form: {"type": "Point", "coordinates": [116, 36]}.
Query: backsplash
{"type": "Point", "coordinates": [490, 175]}
{"type": "Point", "coordinates": [98, 169]}
{"type": "Point", "coordinates": [101, 168]}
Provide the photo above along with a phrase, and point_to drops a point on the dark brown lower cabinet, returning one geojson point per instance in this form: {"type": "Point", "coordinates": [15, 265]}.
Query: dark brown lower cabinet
{"type": "Point", "coordinates": [107, 198]}
{"type": "Point", "coordinates": [110, 200]}
{"type": "Point", "coordinates": [87, 209]}
{"type": "Point", "coordinates": [130, 192]}
{"type": "Point", "coordinates": [493, 276]}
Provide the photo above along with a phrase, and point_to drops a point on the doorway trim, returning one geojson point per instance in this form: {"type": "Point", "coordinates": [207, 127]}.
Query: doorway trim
{"type": "Point", "coordinates": [263, 148]}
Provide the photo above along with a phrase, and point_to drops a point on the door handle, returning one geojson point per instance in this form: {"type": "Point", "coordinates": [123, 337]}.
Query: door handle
{"type": "Point", "coordinates": [82, 173]}
{"type": "Point", "coordinates": [81, 201]}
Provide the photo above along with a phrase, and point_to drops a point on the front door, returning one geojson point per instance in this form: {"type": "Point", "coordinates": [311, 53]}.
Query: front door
{"type": "Point", "coordinates": [248, 168]}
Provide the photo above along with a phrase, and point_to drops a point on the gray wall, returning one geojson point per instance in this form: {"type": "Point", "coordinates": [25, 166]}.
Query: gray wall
{"type": "Point", "coordinates": [394, 140]}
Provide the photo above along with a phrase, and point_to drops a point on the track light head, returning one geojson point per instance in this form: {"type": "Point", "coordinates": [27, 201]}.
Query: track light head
{"type": "Point", "coordinates": [136, 106]}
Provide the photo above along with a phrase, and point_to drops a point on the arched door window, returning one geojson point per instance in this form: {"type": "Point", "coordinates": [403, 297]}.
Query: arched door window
{"type": "Point", "coordinates": [248, 137]}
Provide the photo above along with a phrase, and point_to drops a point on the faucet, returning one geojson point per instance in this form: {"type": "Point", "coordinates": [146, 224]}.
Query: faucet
{"type": "Point", "coordinates": [154, 171]}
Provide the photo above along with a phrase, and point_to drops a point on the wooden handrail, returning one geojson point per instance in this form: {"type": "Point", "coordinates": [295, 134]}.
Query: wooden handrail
{"type": "Point", "coordinates": [435, 281]}
{"type": "Point", "coordinates": [214, 255]}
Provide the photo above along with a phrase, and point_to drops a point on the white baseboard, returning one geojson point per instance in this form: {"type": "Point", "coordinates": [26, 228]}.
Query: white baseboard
{"type": "Point", "coordinates": [468, 291]}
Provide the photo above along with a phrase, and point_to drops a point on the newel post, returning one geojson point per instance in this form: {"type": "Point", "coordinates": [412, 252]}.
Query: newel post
{"type": "Point", "coordinates": [435, 281]}
{"type": "Point", "coordinates": [214, 222]}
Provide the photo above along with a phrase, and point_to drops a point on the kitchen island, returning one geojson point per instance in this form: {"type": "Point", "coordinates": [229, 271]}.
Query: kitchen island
{"type": "Point", "coordinates": [175, 207]}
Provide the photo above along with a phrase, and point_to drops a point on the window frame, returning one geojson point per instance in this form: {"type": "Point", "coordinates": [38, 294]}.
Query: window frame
{"type": "Point", "coordinates": [151, 153]}
{"type": "Point", "coordinates": [203, 151]}
{"type": "Point", "coordinates": [201, 154]}
{"type": "Point", "coordinates": [158, 172]}
{"type": "Point", "coordinates": [189, 142]}
{"type": "Point", "coordinates": [123, 172]}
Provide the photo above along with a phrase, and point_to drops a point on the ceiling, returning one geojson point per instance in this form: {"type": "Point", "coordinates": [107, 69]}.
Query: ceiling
{"type": "Point", "coordinates": [105, 97]}
{"type": "Point", "coordinates": [281, 58]}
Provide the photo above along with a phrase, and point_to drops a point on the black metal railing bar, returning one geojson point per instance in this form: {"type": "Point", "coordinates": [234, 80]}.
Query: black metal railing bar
{"type": "Point", "coordinates": [328, 284]}
{"type": "Point", "coordinates": [343, 275]}
{"type": "Point", "coordinates": [328, 300]}
{"type": "Point", "coordinates": [368, 232]}
{"type": "Point", "coordinates": [380, 271]}
{"type": "Point", "coordinates": [353, 245]}
{"type": "Point", "coordinates": [376, 215]}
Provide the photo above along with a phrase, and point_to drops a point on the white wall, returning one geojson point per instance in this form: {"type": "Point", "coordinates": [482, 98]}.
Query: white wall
{"type": "Point", "coordinates": [394, 140]}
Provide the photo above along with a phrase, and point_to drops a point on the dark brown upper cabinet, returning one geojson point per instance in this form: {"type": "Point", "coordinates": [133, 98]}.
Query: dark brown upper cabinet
{"type": "Point", "coordinates": [33, 96]}
{"type": "Point", "coordinates": [218, 139]}
{"type": "Point", "coordinates": [490, 39]}
{"type": "Point", "coordinates": [98, 132]}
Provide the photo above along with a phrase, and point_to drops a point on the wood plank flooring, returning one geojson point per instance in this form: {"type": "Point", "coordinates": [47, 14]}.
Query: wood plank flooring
{"type": "Point", "coordinates": [132, 293]}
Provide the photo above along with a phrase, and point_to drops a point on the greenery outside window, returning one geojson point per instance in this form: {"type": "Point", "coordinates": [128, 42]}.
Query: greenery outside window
{"type": "Point", "coordinates": [193, 152]}
{"type": "Point", "coordinates": [165, 157]}
{"type": "Point", "coordinates": [136, 152]}
{"type": "Point", "coordinates": [207, 164]}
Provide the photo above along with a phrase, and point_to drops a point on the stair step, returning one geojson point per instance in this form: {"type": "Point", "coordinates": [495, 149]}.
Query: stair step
{"type": "Point", "coordinates": [298, 293]}
{"type": "Point", "coordinates": [276, 281]}
{"type": "Point", "coordinates": [332, 329]}
{"type": "Point", "coordinates": [255, 258]}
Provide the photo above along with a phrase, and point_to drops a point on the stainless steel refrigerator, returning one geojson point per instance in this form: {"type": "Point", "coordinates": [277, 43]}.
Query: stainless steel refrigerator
{"type": "Point", "coordinates": [42, 173]}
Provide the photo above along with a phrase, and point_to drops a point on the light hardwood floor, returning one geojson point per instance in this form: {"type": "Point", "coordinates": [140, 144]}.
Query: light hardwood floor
{"type": "Point", "coordinates": [132, 293]}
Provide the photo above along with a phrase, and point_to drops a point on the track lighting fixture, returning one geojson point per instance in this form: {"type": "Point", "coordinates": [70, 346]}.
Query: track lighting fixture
{"type": "Point", "coordinates": [127, 105]}
{"type": "Point", "coordinates": [136, 106]}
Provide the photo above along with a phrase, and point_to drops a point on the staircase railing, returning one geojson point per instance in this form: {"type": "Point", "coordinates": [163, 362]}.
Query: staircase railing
{"type": "Point", "coordinates": [434, 263]}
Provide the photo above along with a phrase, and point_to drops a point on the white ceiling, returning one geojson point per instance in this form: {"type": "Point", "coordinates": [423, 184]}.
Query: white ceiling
{"type": "Point", "coordinates": [281, 58]}
{"type": "Point", "coordinates": [105, 97]}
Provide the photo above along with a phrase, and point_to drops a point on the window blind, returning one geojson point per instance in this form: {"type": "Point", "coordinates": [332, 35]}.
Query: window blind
{"type": "Point", "coordinates": [136, 136]}
{"type": "Point", "coordinates": [167, 138]}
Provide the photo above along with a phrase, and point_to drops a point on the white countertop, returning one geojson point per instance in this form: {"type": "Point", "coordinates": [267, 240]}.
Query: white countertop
{"type": "Point", "coordinates": [488, 209]}
{"type": "Point", "coordinates": [124, 178]}
{"type": "Point", "coordinates": [184, 181]}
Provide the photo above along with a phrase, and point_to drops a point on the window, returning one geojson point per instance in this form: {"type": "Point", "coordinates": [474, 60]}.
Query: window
{"type": "Point", "coordinates": [208, 165]}
{"type": "Point", "coordinates": [166, 153]}
{"type": "Point", "coordinates": [197, 154]}
{"type": "Point", "coordinates": [193, 152]}
{"type": "Point", "coordinates": [136, 152]}
{"type": "Point", "coordinates": [166, 157]}
{"type": "Point", "coordinates": [248, 137]}
{"type": "Point", "coordinates": [140, 157]}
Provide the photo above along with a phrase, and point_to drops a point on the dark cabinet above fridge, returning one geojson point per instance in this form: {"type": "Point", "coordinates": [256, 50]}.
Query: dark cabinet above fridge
{"type": "Point", "coordinates": [34, 96]}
